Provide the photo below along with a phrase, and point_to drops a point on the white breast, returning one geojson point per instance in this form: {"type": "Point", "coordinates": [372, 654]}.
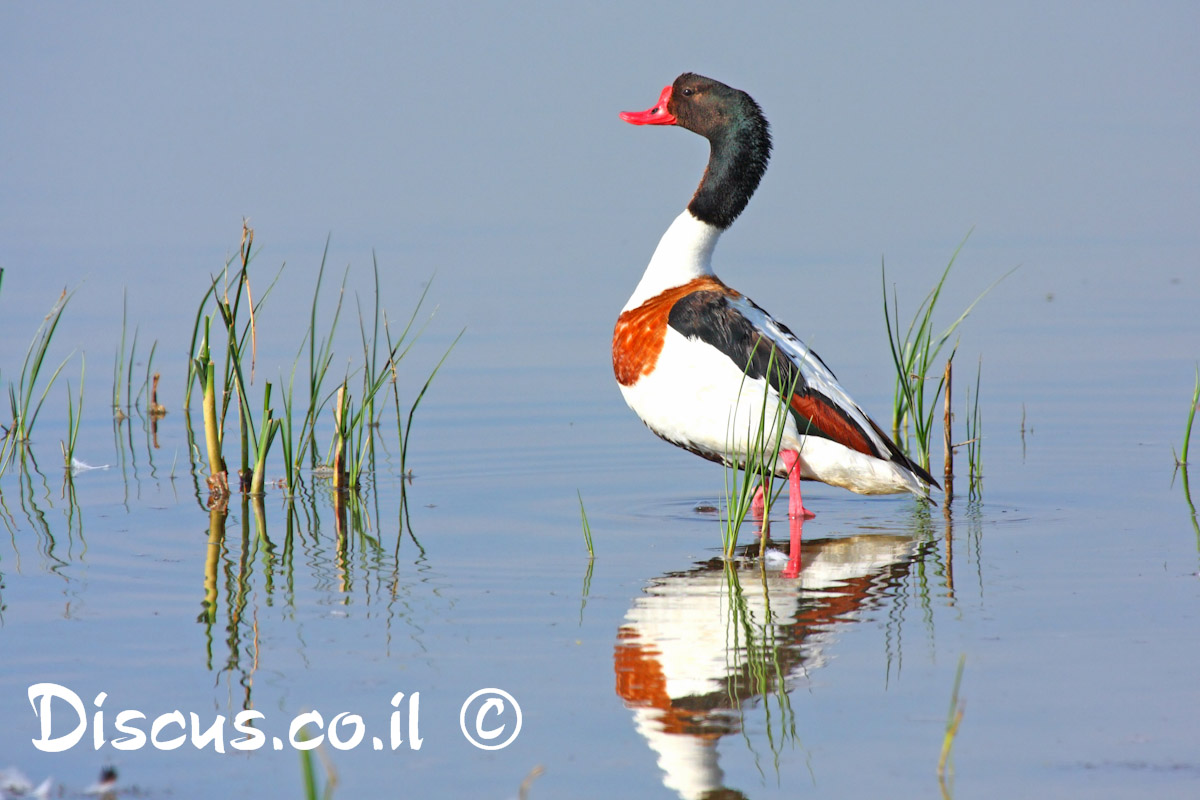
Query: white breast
{"type": "Point", "coordinates": [697, 398]}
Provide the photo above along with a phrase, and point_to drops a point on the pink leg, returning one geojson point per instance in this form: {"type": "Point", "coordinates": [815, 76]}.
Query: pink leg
{"type": "Point", "coordinates": [796, 507]}
{"type": "Point", "coordinates": [792, 570]}
{"type": "Point", "coordinates": [758, 505]}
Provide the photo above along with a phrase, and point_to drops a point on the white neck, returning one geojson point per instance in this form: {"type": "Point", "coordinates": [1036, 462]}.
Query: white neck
{"type": "Point", "coordinates": [683, 253]}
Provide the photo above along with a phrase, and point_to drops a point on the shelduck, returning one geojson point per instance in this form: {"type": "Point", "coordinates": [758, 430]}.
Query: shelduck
{"type": "Point", "coordinates": [696, 359]}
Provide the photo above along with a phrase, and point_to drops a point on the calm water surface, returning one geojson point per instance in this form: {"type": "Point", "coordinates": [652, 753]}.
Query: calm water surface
{"type": "Point", "coordinates": [1064, 133]}
{"type": "Point", "coordinates": [658, 670]}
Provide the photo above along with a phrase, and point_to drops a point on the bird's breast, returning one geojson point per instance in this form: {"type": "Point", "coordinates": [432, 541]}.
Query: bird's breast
{"type": "Point", "coordinates": [640, 332]}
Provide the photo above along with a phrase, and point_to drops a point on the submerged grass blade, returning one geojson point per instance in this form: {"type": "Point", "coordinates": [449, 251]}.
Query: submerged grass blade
{"type": "Point", "coordinates": [308, 770]}
{"type": "Point", "coordinates": [953, 719]}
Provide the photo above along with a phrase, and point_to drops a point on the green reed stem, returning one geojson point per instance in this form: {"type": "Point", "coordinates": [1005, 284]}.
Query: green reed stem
{"type": "Point", "coordinates": [1187, 431]}
{"type": "Point", "coordinates": [74, 416]}
{"type": "Point", "coordinates": [269, 430]}
{"type": "Point", "coordinates": [953, 719]}
{"type": "Point", "coordinates": [197, 324]}
{"type": "Point", "coordinates": [212, 422]}
{"type": "Point", "coordinates": [319, 360]}
{"type": "Point", "coordinates": [129, 372]}
{"type": "Point", "coordinates": [587, 529]}
{"type": "Point", "coordinates": [974, 427]}
{"type": "Point", "coordinates": [144, 389]}
{"type": "Point", "coordinates": [404, 440]}
{"type": "Point", "coordinates": [119, 359]}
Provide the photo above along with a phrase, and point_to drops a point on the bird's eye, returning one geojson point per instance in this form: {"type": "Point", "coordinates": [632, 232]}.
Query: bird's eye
{"type": "Point", "coordinates": [688, 92]}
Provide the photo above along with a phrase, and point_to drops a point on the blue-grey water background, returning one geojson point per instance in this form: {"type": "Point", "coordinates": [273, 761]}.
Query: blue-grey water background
{"type": "Point", "coordinates": [478, 147]}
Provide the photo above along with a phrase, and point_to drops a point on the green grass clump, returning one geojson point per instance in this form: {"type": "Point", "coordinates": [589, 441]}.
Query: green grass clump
{"type": "Point", "coordinates": [355, 425]}
{"type": "Point", "coordinates": [25, 401]}
{"type": "Point", "coordinates": [404, 421]}
{"type": "Point", "coordinates": [221, 367]}
{"type": "Point", "coordinates": [224, 374]}
{"type": "Point", "coordinates": [123, 404]}
{"type": "Point", "coordinates": [233, 389]}
{"type": "Point", "coordinates": [915, 355]}
{"type": "Point", "coordinates": [301, 443]}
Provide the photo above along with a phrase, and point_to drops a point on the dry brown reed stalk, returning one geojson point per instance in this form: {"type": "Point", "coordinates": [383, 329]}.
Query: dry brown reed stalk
{"type": "Point", "coordinates": [948, 469]}
{"type": "Point", "coordinates": [156, 409]}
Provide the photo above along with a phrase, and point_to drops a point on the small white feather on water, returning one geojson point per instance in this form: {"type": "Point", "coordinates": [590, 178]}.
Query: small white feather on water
{"type": "Point", "coordinates": [775, 558]}
{"type": "Point", "coordinates": [14, 784]}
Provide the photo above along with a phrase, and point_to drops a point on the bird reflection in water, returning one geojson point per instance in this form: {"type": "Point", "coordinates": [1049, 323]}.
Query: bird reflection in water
{"type": "Point", "coordinates": [698, 644]}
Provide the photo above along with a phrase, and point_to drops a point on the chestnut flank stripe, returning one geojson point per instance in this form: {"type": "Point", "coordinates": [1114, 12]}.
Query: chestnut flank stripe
{"type": "Point", "coordinates": [640, 332]}
{"type": "Point", "coordinates": [831, 422]}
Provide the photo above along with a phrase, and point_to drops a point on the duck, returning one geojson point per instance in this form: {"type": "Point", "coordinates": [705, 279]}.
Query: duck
{"type": "Point", "coordinates": [698, 361]}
